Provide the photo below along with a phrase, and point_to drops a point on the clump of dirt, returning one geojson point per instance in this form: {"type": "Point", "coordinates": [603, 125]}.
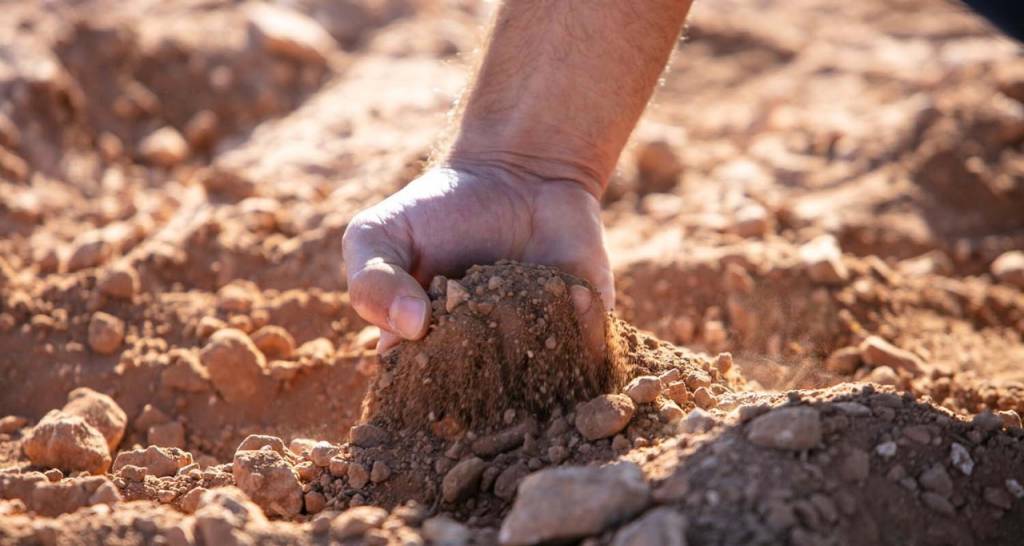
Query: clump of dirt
{"type": "Point", "coordinates": [503, 337]}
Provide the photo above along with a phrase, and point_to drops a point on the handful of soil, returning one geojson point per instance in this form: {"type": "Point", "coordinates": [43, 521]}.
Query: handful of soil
{"type": "Point", "coordinates": [503, 337]}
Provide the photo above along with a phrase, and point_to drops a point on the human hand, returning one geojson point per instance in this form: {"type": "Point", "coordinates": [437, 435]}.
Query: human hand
{"type": "Point", "coordinates": [451, 218]}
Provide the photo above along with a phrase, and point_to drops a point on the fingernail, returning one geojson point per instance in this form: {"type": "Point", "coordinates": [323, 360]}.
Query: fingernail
{"type": "Point", "coordinates": [582, 298]}
{"type": "Point", "coordinates": [408, 317]}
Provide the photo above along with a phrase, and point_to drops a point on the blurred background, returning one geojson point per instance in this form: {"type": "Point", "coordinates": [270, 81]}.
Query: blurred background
{"type": "Point", "coordinates": [810, 172]}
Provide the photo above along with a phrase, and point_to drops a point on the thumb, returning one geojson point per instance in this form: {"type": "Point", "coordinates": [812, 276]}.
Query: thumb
{"type": "Point", "coordinates": [380, 287]}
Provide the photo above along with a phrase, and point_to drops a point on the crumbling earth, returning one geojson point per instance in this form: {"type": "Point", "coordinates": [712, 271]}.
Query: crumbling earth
{"type": "Point", "coordinates": [816, 235]}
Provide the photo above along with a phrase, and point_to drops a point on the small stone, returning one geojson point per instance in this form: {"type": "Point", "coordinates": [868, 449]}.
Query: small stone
{"type": "Point", "coordinates": [254, 442]}
{"type": "Point", "coordinates": [670, 412]}
{"type": "Point", "coordinates": [961, 459]}
{"type": "Point", "coordinates": [886, 449]}
{"type": "Point", "coordinates": [658, 166]}
{"type": "Point", "coordinates": [358, 476]}
{"type": "Point", "coordinates": [164, 147]}
{"type": "Point", "coordinates": [723, 363]}
{"type": "Point", "coordinates": [918, 433]}
{"type": "Point", "coordinates": [185, 373]}
{"type": "Point", "coordinates": [89, 252]}
{"type": "Point", "coordinates": [658, 527]}
{"type": "Point", "coordinates": [876, 352]}
{"type": "Point", "coordinates": [557, 454]}
{"type": "Point", "coordinates": [274, 342]}
{"type": "Point", "coordinates": [703, 398]}
{"type": "Point", "coordinates": [120, 282]}
{"type": "Point", "coordinates": [697, 421]}
{"type": "Point", "coordinates": [843, 361]}
{"type": "Point", "coordinates": [824, 261]}
{"type": "Point", "coordinates": [267, 478]}
{"type": "Point", "coordinates": [883, 375]}
{"type": "Point", "coordinates": [355, 522]}
{"type": "Point", "coordinates": [987, 421]}
{"type": "Point", "coordinates": [1015, 488]}
{"type": "Point", "coordinates": [221, 512]}
{"type": "Point", "coordinates": [643, 389]}
{"type": "Point", "coordinates": [936, 480]}
{"type": "Point", "coordinates": [106, 332]}
{"type": "Point", "coordinates": [106, 493]}
{"type": "Point", "coordinates": [566, 503]}
{"type": "Point", "coordinates": [792, 428]}
{"type": "Point", "coordinates": [12, 423]}
{"type": "Point", "coordinates": [621, 444]}
{"type": "Point", "coordinates": [444, 531]}
{"type": "Point", "coordinates": [463, 479]}
{"type": "Point", "coordinates": [314, 502]}
{"type": "Point", "coordinates": [100, 411]}
{"type": "Point", "coordinates": [157, 461]}
{"type": "Point", "coordinates": [1010, 418]}
{"type": "Point", "coordinates": [604, 416]}
{"type": "Point", "coordinates": [338, 467]}
{"type": "Point", "coordinates": [54, 475]}
{"type": "Point", "coordinates": [456, 295]}
{"type": "Point", "coordinates": [998, 497]}
{"type": "Point", "coordinates": [237, 369]}
{"type": "Point", "coordinates": [937, 503]}
{"type": "Point", "coordinates": [290, 33]}
{"type": "Point", "coordinates": [677, 392]}
{"type": "Point", "coordinates": [367, 436]}
{"type": "Point", "coordinates": [853, 409]}
{"type": "Point", "coordinates": [1009, 268]}
{"type": "Point", "coordinates": [380, 472]}
{"type": "Point", "coordinates": [752, 220]}
{"type": "Point", "coordinates": [855, 466]}
{"type": "Point", "coordinates": [167, 435]}
{"type": "Point", "coordinates": [322, 453]}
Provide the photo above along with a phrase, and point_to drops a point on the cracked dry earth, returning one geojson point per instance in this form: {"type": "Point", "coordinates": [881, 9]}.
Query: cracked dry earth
{"type": "Point", "coordinates": [816, 232]}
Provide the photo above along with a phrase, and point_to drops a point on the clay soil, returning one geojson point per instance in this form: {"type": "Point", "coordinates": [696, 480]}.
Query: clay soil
{"type": "Point", "coordinates": [815, 232]}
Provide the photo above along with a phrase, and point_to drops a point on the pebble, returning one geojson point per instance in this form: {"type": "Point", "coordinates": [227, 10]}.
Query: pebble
{"type": "Point", "coordinates": [658, 166]}
{"type": "Point", "coordinates": [444, 531]}
{"type": "Point", "coordinates": [877, 352]}
{"type": "Point", "coordinates": [455, 295]}
{"type": "Point", "coordinates": [338, 467]}
{"type": "Point", "coordinates": [987, 421]}
{"type": "Point", "coordinates": [937, 503]}
{"type": "Point", "coordinates": [658, 527]}
{"type": "Point", "coordinates": [156, 461]}
{"type": "Point", "coordinates": [106, 333]}
{"type": "Point", "coordinates": [462, 480]}
{"type": "Point", "coordinates": [100, 411]}
{"type": "Point", "coordinates": [886, 449]}
{"type": "Point", "coordinates": [567, 503]}
{"type": "Point", "coordinates": [290, 33]}
{"type": "Point", "coordinates": [1009, 268]}
{"type": "Point", "coordinates": [164, 147]}
{"type": "Point", "coordinates": [697, 421]}
{"type": "Point", "coordinates": [677, 392]}
{"type": "Point", "coordinates": [824, 261]}
{"type": "Point", "coordinates": [1015, 488]}
{"type": "Point", "coordinates": [322, 453]}
{"type": "Point", "coordinates": [723, 363]}
{"type": "Point", "coordinates": [274, 341]}
{"type": "Point", "coordinates": [237, 369]}
{"type": "Point", "coordinates": [314, 502]}
{"type": "Point", "coordinates": [961, 459]}
{"type": "Point", "coordinates": [380, 472]}
{"type": "Point", "coordinates": [843, 361]}
{"type": "Point", "coordinates": [254, 442]}
{"type": "Point", "coordinates": [604, 416]}
{"type": "Point", "coordinates": [121, 281]}
{"type": "Point", "coordinates": [855, 466]}
{"type": "Point", "coordinates": [367, 435]}
{"type": "Point", "coordinates": [937, 480]}
{"type": "Point", "coordinates": [355, 522]}
{"type": "Point", "coordinates": [643, 389]}
{"type": "Point", "coordinates": [508, 480]}
{"type": "Point", "coordinates": [12, 423]}
{"type": "Point", "coordinates": [703, 398]}
{"type": "Point", "coordinates": [1010, 418]}
{"type": "Point", "coordinates": [358, 476]}
{"type": "Point", "coordinates": [883, 375]}
{"type": "Point", "coordinates": [791, 428]}
{"type": "Point", "coordinates": [267, 478]}
{"type": "Point", "coordinates": [670, 412]}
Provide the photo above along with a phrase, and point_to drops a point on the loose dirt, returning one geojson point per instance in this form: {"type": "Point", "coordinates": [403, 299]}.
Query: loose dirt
{"type": "Point", "coordinates": [816, 236]}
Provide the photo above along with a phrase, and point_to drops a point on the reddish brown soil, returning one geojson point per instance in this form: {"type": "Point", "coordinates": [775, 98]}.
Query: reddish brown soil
{"type": "Point", "coordinates": [820, 189]}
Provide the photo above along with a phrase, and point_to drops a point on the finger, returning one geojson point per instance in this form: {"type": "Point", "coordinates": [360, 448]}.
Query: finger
{"type": "Point", "coordinates": [596, 270]}
{"type": "Point", "coordinates": [379, 285]}
{"type": "Point", "coordinates": [591, 317]}
{"type": "Point", "coordinates": [386, 342]}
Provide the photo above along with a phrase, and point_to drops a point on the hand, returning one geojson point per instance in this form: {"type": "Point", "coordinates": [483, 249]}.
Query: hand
{"type": "Point", "coordinates": [451, 218]}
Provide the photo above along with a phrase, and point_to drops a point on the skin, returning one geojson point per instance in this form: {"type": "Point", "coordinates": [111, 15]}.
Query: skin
{"type": "Point", "coordinates": [558, 90]}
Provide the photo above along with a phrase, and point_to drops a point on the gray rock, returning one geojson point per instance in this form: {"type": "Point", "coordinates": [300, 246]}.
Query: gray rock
{"type": "Point", "coordinates": [792, 428]}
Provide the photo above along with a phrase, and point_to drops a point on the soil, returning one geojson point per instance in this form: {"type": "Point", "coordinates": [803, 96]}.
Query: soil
{"type": "Point", "coordinates": [815, 233]}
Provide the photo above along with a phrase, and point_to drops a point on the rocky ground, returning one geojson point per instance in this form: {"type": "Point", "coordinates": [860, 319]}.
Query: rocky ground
{"type": "Point", "coordinates": [817, 234]}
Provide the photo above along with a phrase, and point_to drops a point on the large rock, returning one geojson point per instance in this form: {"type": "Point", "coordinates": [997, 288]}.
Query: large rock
{"type": "Point", "coordinates": [566, 503]}
{"type": "Point", "coordinates": [269, 481]}
{"type": "Point", "coordinates": [67, 442]}
{"type": "Point", "coordinates": [100, 411]}
{"type": "Point", "coordinates": [792, 428]}
{"type": "Point", "coordinates": [237, 369]}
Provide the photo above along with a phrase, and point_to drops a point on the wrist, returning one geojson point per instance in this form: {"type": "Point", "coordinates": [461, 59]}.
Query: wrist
{"type": "Point", "coordinates": [527, 161]}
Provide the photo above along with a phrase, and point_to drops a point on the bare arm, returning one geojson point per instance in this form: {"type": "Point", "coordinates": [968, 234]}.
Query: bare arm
{"type": "Point", "coordinates": [563, 83]}
{"type": "Point", "coordinates": [558, 90]}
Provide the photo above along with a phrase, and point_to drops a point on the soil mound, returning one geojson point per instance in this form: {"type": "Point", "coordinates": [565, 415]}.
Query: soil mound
{"type": "Point", "coordinates": [503, 337]}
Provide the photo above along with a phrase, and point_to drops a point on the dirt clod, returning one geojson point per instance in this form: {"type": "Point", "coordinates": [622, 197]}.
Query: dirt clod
{"type": "Point", "coordinates": [236, 367]}
{"type": "Point", "coordinates": [604, 416]}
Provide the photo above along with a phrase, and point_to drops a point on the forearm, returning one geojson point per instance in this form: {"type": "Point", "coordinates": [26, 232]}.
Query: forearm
{"type": "Point", "coordinates": [562, 84]}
